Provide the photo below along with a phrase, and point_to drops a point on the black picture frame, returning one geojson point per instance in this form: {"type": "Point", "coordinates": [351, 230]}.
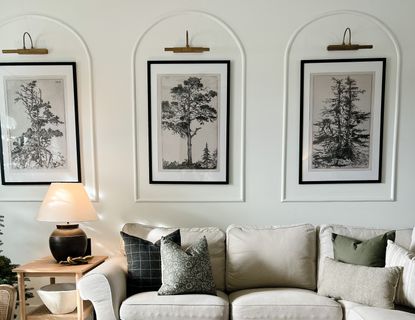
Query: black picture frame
{"type": "Point", "coordinates": [39, 123]}
{"type": "Point", "coordinates": [170, 160]}
{"type": "Point", "coordinates": [349, 93]}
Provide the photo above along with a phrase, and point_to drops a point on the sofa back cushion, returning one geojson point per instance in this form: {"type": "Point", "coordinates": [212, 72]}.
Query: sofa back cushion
{"type": "Point", "coordinates": [275, 256]}
{"type": "Point", "coordinates": [214, 236]}
{"type": "Point", "coordinates": [325, 244]}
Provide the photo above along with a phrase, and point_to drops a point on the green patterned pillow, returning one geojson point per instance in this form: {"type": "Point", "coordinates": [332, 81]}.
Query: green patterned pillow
{"type": "Point", "coordinates": [186, 271]}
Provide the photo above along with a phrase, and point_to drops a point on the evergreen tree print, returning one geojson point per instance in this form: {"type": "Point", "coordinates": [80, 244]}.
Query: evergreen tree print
{"type": "Point", "coordinates": [31, 150]}
{"type": "Point", "coordinates": [341, 136]}
{"type": "Point", "coordinates": [188, 109]}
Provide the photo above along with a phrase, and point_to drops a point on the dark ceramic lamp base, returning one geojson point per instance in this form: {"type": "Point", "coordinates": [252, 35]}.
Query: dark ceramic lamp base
{"type": "Point", "coordinates": [67, 240]}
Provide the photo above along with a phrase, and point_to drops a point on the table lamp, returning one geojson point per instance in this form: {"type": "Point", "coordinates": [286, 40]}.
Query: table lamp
{"type": "Point", "coordinates": [67, 202]}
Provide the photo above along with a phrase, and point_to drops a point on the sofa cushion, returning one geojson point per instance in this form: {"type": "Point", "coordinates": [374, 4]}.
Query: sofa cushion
{"type": "Point", "coordinates": [282, 303]}
{"type": "Point", "coordinates": [275, 256]}
{"type": "Point", "coordinates": [356, 311]}
{"type": "Point", "coordinates": [412, 247]}
{"type": "Point", "coordinates": [368, 285]}
{"type": "Point", "coordinates": [214, 236]}
{"type": "Point", "coordinates": [325, 244]}
{"type": "Point", "coordinates": [398, 256]}
{"type": "Point", "coordinates": [186, 271]}
{"type": "Point", "coordinates": [150, 306]}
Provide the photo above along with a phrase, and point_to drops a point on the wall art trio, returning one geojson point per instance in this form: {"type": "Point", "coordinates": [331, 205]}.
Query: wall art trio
{"type": "Point", "coordinates": [341, 121]}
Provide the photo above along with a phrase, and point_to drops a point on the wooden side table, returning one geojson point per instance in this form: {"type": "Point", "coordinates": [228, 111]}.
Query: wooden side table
{"type": "Point", "coordinates": [48, 267]}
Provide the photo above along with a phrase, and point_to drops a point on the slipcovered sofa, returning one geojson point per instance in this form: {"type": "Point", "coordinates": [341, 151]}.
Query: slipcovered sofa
{"type": "Point", "coordinates": [259, 272]}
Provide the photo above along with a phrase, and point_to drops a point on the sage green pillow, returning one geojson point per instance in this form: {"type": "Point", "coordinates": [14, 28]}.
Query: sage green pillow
{"type": "Point", "coordinates": [369, 253]}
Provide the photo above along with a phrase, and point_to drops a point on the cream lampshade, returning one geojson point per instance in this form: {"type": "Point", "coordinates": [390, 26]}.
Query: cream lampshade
{"type": "Point", "coordinates": [67, 202]}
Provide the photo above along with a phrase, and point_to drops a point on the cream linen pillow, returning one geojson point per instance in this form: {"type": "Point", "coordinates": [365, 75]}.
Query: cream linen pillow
{"type": "Point", "coordinates": [371, 286]}
{"type": "Point", "coordinates": [398, 256]}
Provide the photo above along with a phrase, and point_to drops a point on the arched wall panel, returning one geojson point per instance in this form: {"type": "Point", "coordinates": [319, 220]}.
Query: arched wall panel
{"type": "Point", "coordinates": [309, 41]}
{"type": "Point", "coordinates": [204, 30]}
{"type": "Point", "coordinates": [64, 44]}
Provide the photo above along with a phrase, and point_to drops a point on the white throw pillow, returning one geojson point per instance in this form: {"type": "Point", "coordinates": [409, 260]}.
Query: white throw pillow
{"type": "Point", "coordinates": [375, 287]}
{"type": "Point", "coordinates": [400, 257]}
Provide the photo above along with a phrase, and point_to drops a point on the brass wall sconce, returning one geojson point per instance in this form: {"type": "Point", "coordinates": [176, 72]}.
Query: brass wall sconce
{"type": "Point", "coordinates": [187, 48]}
{"type": "Point", "coordinates": [24, 50]}
{"type": "Point", "coordinates": [348, 46]}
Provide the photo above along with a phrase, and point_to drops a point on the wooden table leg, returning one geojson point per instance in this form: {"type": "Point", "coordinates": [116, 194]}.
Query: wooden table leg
{"type": "Point", "coordinates": [22, 300]}
{"type": "Point", "coordinates": [79, 303]}
{"type": "Point", "coordinates": [52, 280]}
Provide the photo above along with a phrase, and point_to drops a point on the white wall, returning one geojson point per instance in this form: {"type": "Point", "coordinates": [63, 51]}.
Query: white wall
{"type": "Point", "coordinates": [111, 29]}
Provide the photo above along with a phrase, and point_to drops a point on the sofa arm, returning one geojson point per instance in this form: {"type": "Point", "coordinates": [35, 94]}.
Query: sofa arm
{"type": "Point", "coordinates": [105, 287]}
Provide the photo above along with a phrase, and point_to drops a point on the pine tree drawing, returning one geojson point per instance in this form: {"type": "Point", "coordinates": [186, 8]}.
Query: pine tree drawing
{"type": "Point", "coordinates": [32, 148]}
{"type": "Point", "coordinates": [209, 159]}
{"type": "Point", "coordinates": [189, 109]}
{"type": "Point", "coordinates": [206, 157]}
{"type": "Point", "coordinates": [341, 139]}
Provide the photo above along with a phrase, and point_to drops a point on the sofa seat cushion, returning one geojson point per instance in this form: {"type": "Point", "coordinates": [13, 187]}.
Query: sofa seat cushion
{"type": "Point", "coordinates": [149, 305]}
{"type": "Point", "coordinates": [356, 311]}
{"type": "Point", "coordinates": [283, 303]}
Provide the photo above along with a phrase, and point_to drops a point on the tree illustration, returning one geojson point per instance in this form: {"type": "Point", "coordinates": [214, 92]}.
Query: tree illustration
{"type": "Point", "coordinates": [206, 157]}
{"type": "Point", "coordinates": [189, 109]}
{"type": "Point", "coordinates": [31, 148]}
{"type": "Point", "coordinates": [340, 139]}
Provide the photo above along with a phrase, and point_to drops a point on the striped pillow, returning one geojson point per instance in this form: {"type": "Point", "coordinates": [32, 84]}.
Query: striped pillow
{"type": "Point", "coordinates": [398, 256]}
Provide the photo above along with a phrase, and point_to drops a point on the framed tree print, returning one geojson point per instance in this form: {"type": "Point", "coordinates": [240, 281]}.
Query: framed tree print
{"type": "Point", "coordinates": [341, 121]}
{"type": "Point", "coordinates": [39, 123]}
{"type": "Point", "coordinates": [188, 121]}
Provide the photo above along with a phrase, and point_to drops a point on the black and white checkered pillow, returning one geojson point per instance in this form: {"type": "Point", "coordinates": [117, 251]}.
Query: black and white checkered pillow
{"type": "Point", "coordinates": [144, 263]}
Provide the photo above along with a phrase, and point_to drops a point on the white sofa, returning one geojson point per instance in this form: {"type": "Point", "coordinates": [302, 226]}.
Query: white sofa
{"type": "Point", "coordinates": [259, 272]}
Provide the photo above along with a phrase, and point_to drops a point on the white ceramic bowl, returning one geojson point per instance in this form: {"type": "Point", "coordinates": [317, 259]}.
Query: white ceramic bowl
{"type": "Point", "coordinates": [59, 298]}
